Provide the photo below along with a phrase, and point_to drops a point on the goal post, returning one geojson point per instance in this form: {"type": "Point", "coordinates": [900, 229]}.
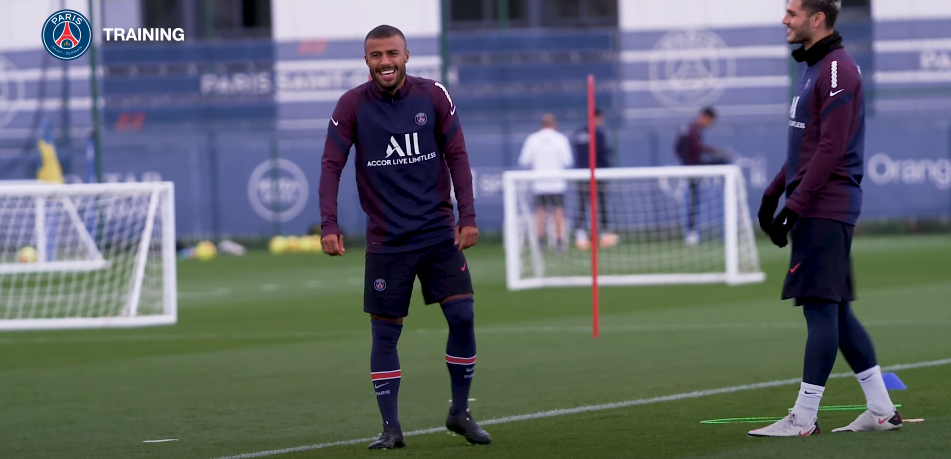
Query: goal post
{"type": "Point", "coordinates": [87, 255]}
{"type": "Point", "coordinates": [656, 225]}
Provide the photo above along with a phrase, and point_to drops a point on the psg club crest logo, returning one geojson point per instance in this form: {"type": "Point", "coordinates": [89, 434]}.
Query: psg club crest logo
{"type": "Point", "coordinates": [67, 34]}
{"type": "Point", "coordinates": [420, 118]}
{"type": "Point", "coordinates": [379, 285]}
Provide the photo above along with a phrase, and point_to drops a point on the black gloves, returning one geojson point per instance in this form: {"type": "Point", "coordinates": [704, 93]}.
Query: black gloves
{"type": "Point", "coordinates": [777, 228]}
{"type": "Point", "coordinates": [781, 225]}
{"type": "Point", "coordinates": [766, 211]}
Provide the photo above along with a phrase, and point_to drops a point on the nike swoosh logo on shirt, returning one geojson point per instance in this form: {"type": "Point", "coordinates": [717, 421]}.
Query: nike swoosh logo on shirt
{"type": "Point", "coordinates": [332, 120]}
{"type": "Point", "coordinates": [833, 93]}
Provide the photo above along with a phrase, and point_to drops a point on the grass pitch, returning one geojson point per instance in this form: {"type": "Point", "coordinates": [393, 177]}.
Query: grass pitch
{"type": "Point", "coordinates": [272, 353]}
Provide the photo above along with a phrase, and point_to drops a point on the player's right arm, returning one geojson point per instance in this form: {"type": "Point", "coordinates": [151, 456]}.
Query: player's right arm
{"type": "Point", "coordinates": [526, 159]}
{"type": "Point", "coordinates": [341, 134]}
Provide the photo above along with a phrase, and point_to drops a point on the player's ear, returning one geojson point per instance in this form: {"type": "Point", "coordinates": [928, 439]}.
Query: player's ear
{"type": "Point", "coordinates": [405, 55]}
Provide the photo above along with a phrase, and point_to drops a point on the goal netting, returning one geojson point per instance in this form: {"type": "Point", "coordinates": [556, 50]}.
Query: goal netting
{"type": "Point", "coordinates": [87, 255]}
{"type": "Point", "coordinates": [656, 225]}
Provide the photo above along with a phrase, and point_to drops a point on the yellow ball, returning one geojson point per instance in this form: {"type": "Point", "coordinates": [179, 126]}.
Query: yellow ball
{"type": "Point", "coordinates": [26, 255]}
{"type": "Point", "coordinates": [306, 244]}
{"type": "Point", "coordinates": [277, 245]}
{"type": "Point", "coordinates": [205, 251]}
{"type": "Point", "coordinates": [293, 244]}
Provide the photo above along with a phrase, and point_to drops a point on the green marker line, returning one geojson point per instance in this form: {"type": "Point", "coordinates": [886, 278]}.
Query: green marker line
{"type": "Point", "coordinates": [739, 420]}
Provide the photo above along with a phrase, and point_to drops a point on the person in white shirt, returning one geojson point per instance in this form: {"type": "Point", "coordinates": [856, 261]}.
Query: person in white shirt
{"type": "Point", "coordinates": [546, 150]}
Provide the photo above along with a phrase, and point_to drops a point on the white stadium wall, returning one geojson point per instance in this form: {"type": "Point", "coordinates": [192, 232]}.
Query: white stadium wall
{"type": "Point", "coordinates": [308, 19]}
{"type": "Point", "coordinates": [679, 55]}
{"type": "Point", "coordinates": [890, 10]}
{"type": "Point", "coordinates": [642, 15]}
{"type": "Point", "coordinates": [22, 21]}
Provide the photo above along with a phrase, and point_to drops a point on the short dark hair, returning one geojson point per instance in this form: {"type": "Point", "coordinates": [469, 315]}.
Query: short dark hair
{"type": "Point", "coordinates": [709, 111]}
{"type": "Point", "coordinates": [830, 8]}
{"type": "Point", "coordinates": [384, 31]}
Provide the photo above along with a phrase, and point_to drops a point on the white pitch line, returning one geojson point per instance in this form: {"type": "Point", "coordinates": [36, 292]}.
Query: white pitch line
{"type": "Point", "coordinates": [589, 408]}
{"type": "Point", "coordinates": [542, 329]}
{"type": "Point", "coordinates": [221, 291]}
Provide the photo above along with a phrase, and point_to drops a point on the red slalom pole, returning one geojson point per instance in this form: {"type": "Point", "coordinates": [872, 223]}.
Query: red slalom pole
{"type": "Point", "coordinates": [593, 192]}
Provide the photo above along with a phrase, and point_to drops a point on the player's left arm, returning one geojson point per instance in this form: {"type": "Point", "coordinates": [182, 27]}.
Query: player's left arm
{"type": "Point", "coordinates": [770, 200]}
{"type": "Point", "coordinates": [839, 90]}
{"type": "Point", "coordinates": [450, 139]}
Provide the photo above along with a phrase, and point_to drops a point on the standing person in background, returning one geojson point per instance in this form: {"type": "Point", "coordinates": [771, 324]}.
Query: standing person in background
{"type": "Point", "coordinates": [603, 159]}
{"type": "Point", "coordinates": [49, 169]}
{"type": "Point", "coordinates": [692, 151]}
{"type": "Point", "coordinates": [548, 150]}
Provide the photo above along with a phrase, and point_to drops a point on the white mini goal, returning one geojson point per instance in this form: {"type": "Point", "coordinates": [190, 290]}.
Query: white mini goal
{"type": "Point", "coordinates": [87, 255]}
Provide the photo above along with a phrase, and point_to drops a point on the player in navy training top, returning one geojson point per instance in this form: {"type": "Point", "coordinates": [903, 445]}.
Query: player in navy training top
{"type": "Point", "coordinates": [692, 151]}
{"type": "Point", "coordinates": [602, 157]}
{"type": "Point", "coordinates": [821, 180]}
{"type": "Point", "coordinates": [410, 152]}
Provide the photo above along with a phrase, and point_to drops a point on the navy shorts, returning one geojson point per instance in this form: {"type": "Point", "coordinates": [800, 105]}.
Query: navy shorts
{"type": "Point", "coordinates": [441, 268]}
{"type": "Point", "coordinates": [820, 268]}
{"type": "Point", "coordinates": [549, 201]}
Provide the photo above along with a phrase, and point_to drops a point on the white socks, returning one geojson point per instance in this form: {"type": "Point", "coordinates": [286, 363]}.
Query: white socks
{"type": "Point", "coordinates": [807, 405]}
{"type": "Point", "coordinates": [876, 395]}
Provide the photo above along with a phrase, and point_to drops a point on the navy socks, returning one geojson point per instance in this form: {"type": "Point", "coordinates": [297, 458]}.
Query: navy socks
{"type": "Point", "coordinates": [460, 360]}
{"type": "Point", "coordinates": [385, 370]}
{"type": "Point", "coordinates": [460, 350]}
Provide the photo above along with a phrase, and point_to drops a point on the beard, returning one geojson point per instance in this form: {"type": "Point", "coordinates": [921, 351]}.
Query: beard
{"type": "Point", "coordinates": [389, 84]}
{"type": "Point", "coordinates": [798, 36]}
